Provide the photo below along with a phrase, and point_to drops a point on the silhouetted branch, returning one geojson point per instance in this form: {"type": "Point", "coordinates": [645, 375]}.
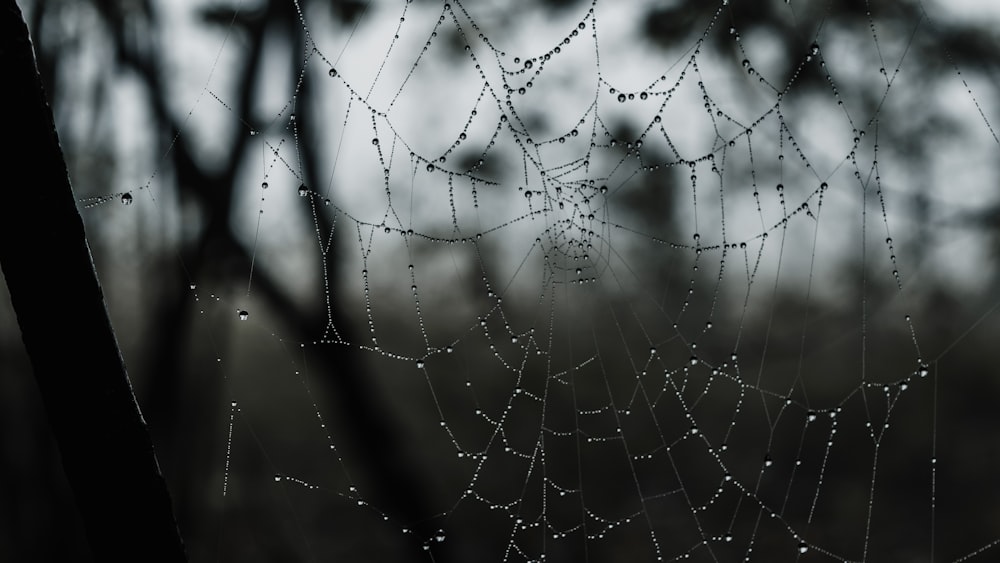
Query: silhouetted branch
{"type": "Point", "coordinates": [106, 451]}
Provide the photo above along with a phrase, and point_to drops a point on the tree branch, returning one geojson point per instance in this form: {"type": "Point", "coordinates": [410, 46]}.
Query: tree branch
{"type": "Point", "coordinates": [105, 449]}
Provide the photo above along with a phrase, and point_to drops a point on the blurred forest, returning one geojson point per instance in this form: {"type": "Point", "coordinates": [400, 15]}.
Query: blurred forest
{"type": "Point", "coordinates": [189, 234]}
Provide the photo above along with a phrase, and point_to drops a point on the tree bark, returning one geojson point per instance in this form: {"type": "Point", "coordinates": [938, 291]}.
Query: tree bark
{"type": "Point", "coordinates": [105, 448]}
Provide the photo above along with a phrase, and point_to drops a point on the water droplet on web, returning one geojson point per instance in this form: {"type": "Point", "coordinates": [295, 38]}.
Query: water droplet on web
{"type": "Point", "coordinates": [420, 365]}
{"type": "Point", "coordinates": [803, 547]}
{"type": "Point", "coordinates": [694, 360]}
{"type": "Point", "coordinates": [127, 198]}
{"type": "Point", "coordinates": [244, 315]}
{"type": "Point", "coordinates": [303, 190]}
{"type": "Point", "coordinates": [375, 141]}
{"type": "Point", "coordinates": [449, 349]}
{"type": "Point", "coordinates": [263, 185]}
{"type": "Point", "coordinates": [814, 48]}
{"type": "Point", "coordinates": [333, 72]}
{"type": "Point", "coordinates": [277, 478]}
{"type": "Point", "coordinates": [768, 462]}
{"type": "Point", "coordinates": [746, 63]}
{"type": "Point", "coordinates": [430, 167]}
{"type": "Point", "coordinates": [622, 98]}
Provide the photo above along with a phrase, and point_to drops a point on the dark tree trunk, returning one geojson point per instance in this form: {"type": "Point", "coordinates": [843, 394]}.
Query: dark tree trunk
{"type": "Point", "coordinates": [105, 448]}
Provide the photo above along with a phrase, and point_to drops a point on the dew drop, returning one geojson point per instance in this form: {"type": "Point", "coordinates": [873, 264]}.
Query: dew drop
{"type": "Point", "coordinates": [263, 185]}
{"type": "Point", "coordinates": [622, 98]}
{"type": "Point", "coordinates": [303, 190]}
{"type": "Point", "coordinates": [420, 365]}
{"type": "Point", "coordinates": [803, 547]}
{"type": "Point", "coordinates": [333, 72]}
{"type": "Point", "coordinates": [127, 198]}
{"type": "Point", "coordinates": [244, 315]}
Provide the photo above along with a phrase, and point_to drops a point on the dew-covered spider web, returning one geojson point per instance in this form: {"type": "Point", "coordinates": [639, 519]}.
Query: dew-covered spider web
{"type": "Point", "coordinates": [625, 282]}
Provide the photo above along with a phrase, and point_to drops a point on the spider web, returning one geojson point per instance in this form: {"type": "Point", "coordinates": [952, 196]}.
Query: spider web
{"type": "Point", "coordinates": [622, 301]}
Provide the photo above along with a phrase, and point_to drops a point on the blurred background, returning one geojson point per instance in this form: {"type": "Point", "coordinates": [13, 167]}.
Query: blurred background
{"type": "Point", "coordinates": [421, 281]}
